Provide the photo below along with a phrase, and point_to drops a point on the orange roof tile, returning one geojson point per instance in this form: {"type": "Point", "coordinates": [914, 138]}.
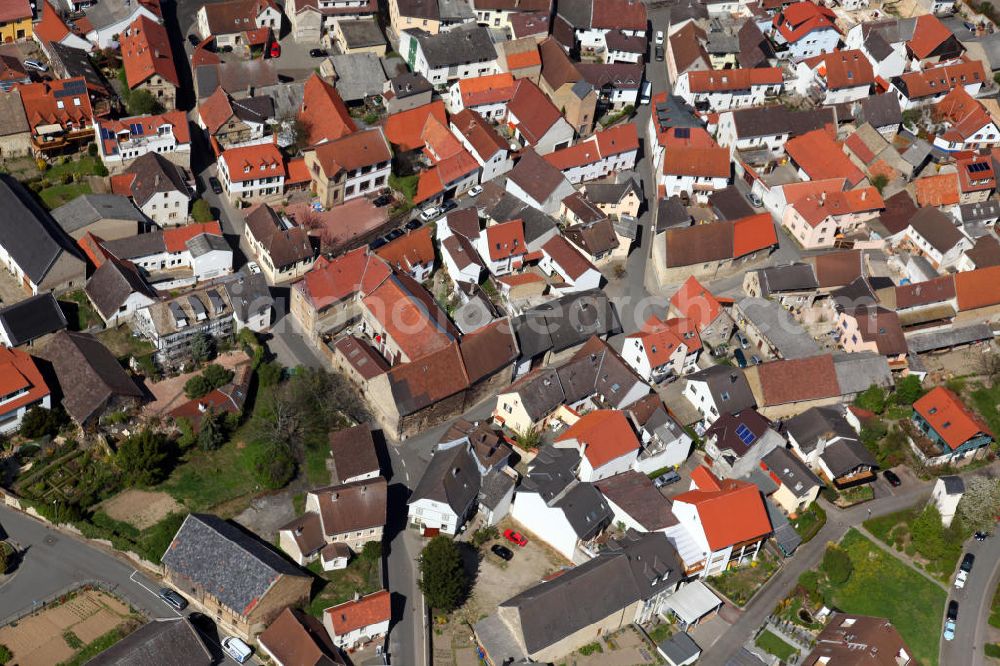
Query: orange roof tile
{"type": "Point", "coordinates": [175, 238]}
{"type": "Point", "coordinates": [15, 10]}
{"type": "Point", "coordinates": [928, 34]}
{"type": "Point", "coordinates": [94, 250]}
{"type": "Point", "coordinates": [604, 435]}
{"type": "Point", "coordinates": [122, 184]}
{"type": "Point", "coordinates": [407, 252]}
{"type": "Point", "coordinates": [18, 372]}
{"type": "Point", "coordinates": [506, 239]}
{"type": "Point", "coordinates": [489, 89]}
{"type": "Point", "coordinates": [978, 289]}
{"type": "Point", "coordinates": [798, 380]}
{"type": "Point", "coordinates": [733, 79]}
{"type": "Point", "coordinates": [353, 151]}
{"type": "Point", "coordinates": [51, 28]}
{"type": "Point", "coordinates": [820, 157]}
{"type": "Point", "coordinates": [110, 130]}
{"type": "Point", "coordinates": [932, 81]}
{"type": "Point", "coordinates": [323, 112]}
{"type": "Point", "coordinates": [410, 317]}
{"type": "Point", "coordinates": [253, 162]}
{"type": "Point", "coordinates": [964, 114]}
{"type": "Point", "coordinates": [524, 59]}
{"type": "Point", "coordinates": [696, 303]}
{"type": "Point", "coordinates": [753, 233]}
{"type": "Point", "coordinates": [42, 106]}
{"type": "Point", "coordinates": [215, 110]}
{"type": "Point", "coordinates": [365, 612]}
{"type": "Point", "coordinates": [661, 337]}
{"type": "Point", "coordinates": [940, 190]}
{"type": "Point", "coordinates": [730, 511]}
{"type": "Point", "coordinates": [534, 112]}
{"type": "Point", "coordinates": [697, 162]}
{"type": "Point", "coordinates": [298, 172]}
{"type": "Point", "coordinates": [950, 418]}
{"type": "Point", "coordinates": [483, 138]}
{"type": "Point", "coordinates": [145, 49]}
{"type": "Point", "coordinates": [817, 207]}
{"type": "Point", "coordinates": [844, 69]}
{"type": "Point", "coordinates": [331, 281]}
{"type": "Point", "coordinates": [801, 18]}
{"type": "Point", "coordinates": [429, 185]}
{"type": "Point", "coordinates": [405, 129]}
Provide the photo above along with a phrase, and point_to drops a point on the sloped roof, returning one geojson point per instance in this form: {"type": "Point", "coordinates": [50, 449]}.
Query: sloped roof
{"type": "Point", "coordinates": [146, 52]}
{"type": "Point", "coordinates": [32, 318]}
{"type": "Point", "coordinates": [324, 112]}
{"type": "Point", "coordinates": [730, 511]}
{"type": "Point", "coordinates": [604, 434]}
{"type": "Point", "coordinates": [950, 417]}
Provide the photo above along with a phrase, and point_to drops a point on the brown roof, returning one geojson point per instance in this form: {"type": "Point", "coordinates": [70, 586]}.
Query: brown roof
{"type": "Point", "coordinates": [307, 531]}
{"type": "Point", "coordinates": [354, 151]}
{"type": "Point", "coordinates": [859, 640]}
{"type": "Point", "coordinates": [557, 68]}
{"type": "Point", "coordinates": [693, 161]}
{"type": "Point", "coordinates": [363, 359]}
{"type": "Point", "coordinates": [699, 244]}
{"type": "Point", "coordinates": [228, 17]}
{"type": "Point", "coordinates": [594, 238]}
{"type": "Point", "coordinates": [352, 506]}
{"type": "Point", "coordinates": [985, 253]}
{"type": "Point", "coordinates": [353, 452]}
{"type": "Point", "coordinates": [483, 138]}
{"type": "Point", "coordinates": [583, 208]}
{"type": "Point", "coordinates": [835, 269]}
{"type": "Point", "coordinates": [488, 349]}
{"type": "Point", "coordinates": [534, 111]}
{"type": "Point", "coordinates": [936, 228]}
{"type": "Point", "coordinates": [462, 251]}
{"type": "Point", "coordinates": [409, 251]}
{"type": "Point", "coordinates": [285, 246]}
{"type": "Point", "coordinates": [634, 493]}
{"type": "Point", "coordinates": [428, 379]}
{"type": "Point", "coordinates": [899, 208]}
{"type": "Point", "coordinates": [797, 380]}
{"type": "Point", "coordinates": [568, 257]}
{"type": "Point", "coordinates": [536, 176]}
{"type": "Point", "coordinates": [687, 45]}
{"type": "Point", "coordinates": [882, 327]}
{"type": "Point", "coordinates": [929, 292]}
{"type": "Point", "coordinates": [297, 639]}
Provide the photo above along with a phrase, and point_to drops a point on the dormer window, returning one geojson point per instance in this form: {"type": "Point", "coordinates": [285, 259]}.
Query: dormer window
{"type": "Point", "coordinates": [60, 104]}
{"type": "Point", "coordinates": [246, 169]}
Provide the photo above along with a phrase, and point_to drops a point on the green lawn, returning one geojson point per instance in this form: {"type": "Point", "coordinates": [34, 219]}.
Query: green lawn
{"type": "Point", "coordinates": [122, 343]}
{"type": "Point", "coordinates": [85, 166]}
{"type": "Point", "coordinates": [938, 550]}
{"type": "Point", "coordinates": [57, 195]}
{"type": "Point", "coordinates": [771, 643]}
{"type": "Point", "coordinates": [857, 494]}
{"type": "Point", "coordinates": [985, 400]}
{"type": "Point", "coordinates": [741, 583]}
{"type": "Point", "coordinates": [883, 586]}
{"type": "Point", "coordinates": [810, 521]}
{"type": "Point", "coordinates": [207, 479]}
{"type": "Point", "coordinates": [82, 314]}
{"type": "Point", "coordinates": [995, 609]}
{"type": "Point", "coordinates": [99, 645]}
{"type": "Point", "coordinates": [361, 576]}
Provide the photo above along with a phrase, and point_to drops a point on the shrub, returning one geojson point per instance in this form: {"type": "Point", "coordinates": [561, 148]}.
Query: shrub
{"type": "Point", "coordinates": [217, 376]}
{"type": "Point", "coordinates": [990, 649]}
{"type": "Point", "coordinates": [908, 390]}
{"type": "Point", "coordinates": [272, 466]}
{"type": "Point", "coordinates": [144, 457]}
{"type": "Point", "coordinates": [591, 648]}
{"type": "Point", "coordinates": [5, 654]}
{"type": "Point", "coordinates": [873, 399]}
{"type": "Point", "coordinates": [442, 577]}
{"type": "Point", "coordinates": [101, 170]}
{"type": "Point", "coordinates": [39, 422]}
{"type": "Point", "coordinates": [837, 565]}
{"type": "Point", "coordinates": [201, 211]}
{"type": "Point", "coordinates": [483, 535]}
{"type": "Point", "coordinates": [269, 374]}
{"type": "Point", "coordinates": [372, 551]}
{"type": "Point", "coordinates": [196, 387]}
{"type": "Point", "coordinates": [92, 149]}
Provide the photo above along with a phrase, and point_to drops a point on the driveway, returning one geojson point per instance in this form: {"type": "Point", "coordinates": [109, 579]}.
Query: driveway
{"type": "Point", "coordinates": [975, 602]}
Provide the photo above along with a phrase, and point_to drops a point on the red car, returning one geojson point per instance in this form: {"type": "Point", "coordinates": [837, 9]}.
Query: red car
{"type": "Point", "coordinates": [275, 50]}
{"type": "Point", "coordinates": [515, 537]}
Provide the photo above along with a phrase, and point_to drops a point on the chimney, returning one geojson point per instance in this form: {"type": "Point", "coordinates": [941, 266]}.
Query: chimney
{"type": "Point", "coordinates": [732, 378]}
{"type": "Point", "coordinates": [202, 407]}
{"type": "Point", "coordinates": [864, 194]}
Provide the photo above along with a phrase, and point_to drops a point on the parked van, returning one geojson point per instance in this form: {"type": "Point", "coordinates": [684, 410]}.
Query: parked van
{"type": "Point", "coordinates": [237, 649]}
{"type": "Point", "coordinates": [741, 360]}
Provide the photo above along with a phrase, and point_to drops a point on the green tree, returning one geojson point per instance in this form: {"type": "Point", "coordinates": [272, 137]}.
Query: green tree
{"type": "Point", "coordinates": [142, 103]}
{"type": "Point", "coordinates": [269, 374]}
{"type": "Point", "coordinates": [100, 169]}
{"type": "Point", "coordinates": [5, 654]}
{"type": "Point", "coordinates": [272, 466]}
{"type": "Point", "coordinates": [39, 422]}
{"type": "Point", "coordinates": [144, 457]}
{"type": "Point", "coordinates": [212, 432]}
{"type": "Point", "coordinates": [442, 577]}
{"type": "Point", "coordinates": [188, 436]}
{"type": "Point", "coordinates": [908, 390]}
{"type": "Point", "coordinates": [372, 551]}
{"type": "Point", "coordinates": [530, 439]}
{"type": "Point", "coordinates": [216, 375]}
{"type": "Point", "coordinates": [837, 565]}
{"type": "Point", "coordinates": [123, 79]}
{"type": "Point", "coordinates": [879, 181]}
{"type": "Point", "coordinates": [980, 504]}
{"type": "Point", "coordinates": [202, 347]}
{"type": "Point", "coordinates": [197, 386]}
{"type": "Point", "coordinates": [201, 211]}
{"type": "Point", "coordinates": [872, 398]}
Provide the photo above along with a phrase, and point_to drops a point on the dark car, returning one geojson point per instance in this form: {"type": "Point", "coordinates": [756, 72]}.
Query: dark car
{"type": "Point", "coordinates": [503, 552]}
{"type": "Point", "coordinates": [891, 477]}
{"type": "Point", "coordinates": [967, 562]}
{"type": "Point", "coordinates": [953, 610]}
{"type": "Point", "coordinates": [659, 54]}
{"type": "Point", "coordinates": [980, 536]}
{"type": "Point", "coordinates": [394, 234]}
{"type": "Point", "coordinates": [383, 200]}
{"type": "Point", "coordinates": [666, 479]}
{"type": "Point", "coordinates": [377, 243]}
{"type": "Point", "coordinates": [173, 599]}
{"type": "Point", "coordinates": [194, 40]}
{"type": "Point", "coordinates": [412, 225]}
{"type": "Point", "coordinates": [216, 186]}
{"type": "Point", "coordinates": [741, 360]}
{"type": "Point", "coordinates": [317, 53]}
{"type": "Point", "coordinates": [446, 206]}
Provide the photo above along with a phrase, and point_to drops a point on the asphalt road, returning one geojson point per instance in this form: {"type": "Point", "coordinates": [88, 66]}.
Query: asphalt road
{"type": "Point", "coordinates": [974, 604]}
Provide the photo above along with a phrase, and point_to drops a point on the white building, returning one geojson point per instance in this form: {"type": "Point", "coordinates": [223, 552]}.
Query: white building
{"type": "Point", "coordinates": [600, 155]}
{"type": "Point", "coordinates": [663, 349]}
{"type": "Point", "coordinates": [122, 142]}
{"type": "Point", "coordinates": [253, 173]}
{"type": "Point", "coordinates": [360, 621]}
{"type": "Point", "coordinates": [228, 21]}
{"type": "Point", "coordinates": [723, 90]}
{"type": "Point", "coordinates": [483, 142]}
{"type": "Point", "coordinates": [461, 53]}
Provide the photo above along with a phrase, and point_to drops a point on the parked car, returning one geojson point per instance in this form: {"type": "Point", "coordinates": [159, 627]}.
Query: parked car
{"type": "Point", "coordinates": [741, 360]}
{"type": "Point", "coordinates": [193, 39]}
{"type": "Point", "coordinates": [666, 479]}
{"type": "Point", "coordinates": [394, 234]}
{"type": "Point", "coordinates": [447, 206]}
{"type": "Point", "coordinates": [967, 562]}
{"type": "Point", "coordinates": [275, 50]}
{"type": "Point", "coordinates": [35, 65]}
{"type": "Point", "coordinates": [659, 54]}
{"type": "Point", "coordinates": [743, 339]}
{"type": "Point", "coordinates": [475, 190]}
{"type": "Point", "coordinates": [235, 648]}
{"type": "Point", "coordinates": [173, 598]}
{"type": "Point", "coordinates": [503, 552]}
{"type": "Point", "coordinates": [980, 536]}
{"type": "Point", "coordinates": [377, 243]}
{"type": "Point", "coordinates": [253, 267]}
{"type": "Point", "coordinates": [659, 37]}
{"type": "Point", "coordinates": [952, 610]}
{"type": "Point", "coordinates": [755, 359]}
{"type": "Point", "coordinates": [383, 200]}
{"type": "Point", "coordinates": [515, 537]}
{"type": "Point", "coordinates": [754, 200]}
{"type": "Point", "coordinates": [891, 477]}
{"type": "Point", "coordinates": [318, 53]}
{"type": "Point", "coordinates": [412, 225]}
{"type": "Point", "coordinates": [428, 214]}
{"type": "Point", "coordinates": [960, 579]}
{"type": "Point", "coordinates": [216, 186]}
{"type": "Point", "coordinates": [949, 630]}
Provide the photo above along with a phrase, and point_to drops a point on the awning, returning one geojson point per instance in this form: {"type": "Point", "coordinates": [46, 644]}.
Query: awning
{"type": "Point", "coordinates": [692, 602]}
{"type": "Point", "coordinates": [49, 129]}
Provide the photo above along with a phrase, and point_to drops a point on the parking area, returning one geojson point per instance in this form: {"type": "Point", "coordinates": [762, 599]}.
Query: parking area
{"type": "Point", "coordinates": [341, 225]}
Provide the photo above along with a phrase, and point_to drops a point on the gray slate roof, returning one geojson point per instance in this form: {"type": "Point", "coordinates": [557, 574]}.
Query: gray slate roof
{"type": "Point", "coordinates": [172, 642]}
{"type": "Point", "coordinates": [879, 111]}
{"type": "Point", "coordinates": [953, 485]}
{"type": "Point", "coordinates": [819, 423]}
{"type": "Point", "coordinates": [204, 243]}
{"type": "Point", "coordinates": [111, 285]}
{"type": "Point", "coordinates": [32, 318]}
{"type": "Point", "coordinates": [87, 209]}
{"type": "Point", "coordinates": [452, 477]}
{"type": "Point", "coordinates": [466, 43]}
{"type": "Point", "coordinates": [565, 322]}
{"type": "Point", "coordinates": [12, 118]}
{"type": "Point", "coordinates": [845, 455]}
{"type": "Point", "coordinates": [359, 75]}
{"type": "Point", "coordinates": [155, 174]}
{"type": "Point", "coordinates": [28, 233]}
{"type": "Point", "coordinates": [723, 380]}
{"type": "Point", "coordinates": [679, 648]}
{"type": "Point", "coordinates": [234, 567]}
{"type": "Point", "coordinates": [791, 277]}
{"type": "Point", "coordinates": [133, 247]}
{"type": "Point", "coordinates": [948, 337]}
{"type": "Point", "coordinates": [793, 473]}
{"type": "Point", "coordinates": [784, 534]}
{"type": "Point", "coordinates": [788, 337]}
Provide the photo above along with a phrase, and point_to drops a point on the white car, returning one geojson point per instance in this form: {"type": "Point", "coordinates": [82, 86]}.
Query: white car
{"type": "Point", "coordinates": [253, 267]}
{"type": "Point", "coordinates": [659, 37]}
{"type": "Point", "coordinates": [35, 65]}
{"type": "Point", "coordinates": [475, 190]}
{"type": "Point", "coordinates": [429, 214]}
{"type": "Point", "coordinates": [960, 579]}
{"type": "Point", "coordinates": [239, 651]}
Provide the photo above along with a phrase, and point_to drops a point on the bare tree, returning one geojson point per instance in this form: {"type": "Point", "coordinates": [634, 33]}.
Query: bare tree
{"type": "Point", "coordinates": [981, 502]}
{"type": "Point", "coordinates": [986, 363]}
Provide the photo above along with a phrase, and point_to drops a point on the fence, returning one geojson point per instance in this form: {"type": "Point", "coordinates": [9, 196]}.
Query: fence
{"type": "Point", "coordinates": [39, 604]}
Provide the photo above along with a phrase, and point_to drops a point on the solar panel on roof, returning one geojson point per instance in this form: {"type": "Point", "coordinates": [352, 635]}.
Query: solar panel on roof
{"type": "Point", "coordinates": [682, 132]}
{"type": "Point", "coordinates": [135, 128]}
{"type": "Point", "coordinates": [977, 167]}
{"type": "Point", "coordinates": [106, 133]}
{"type": "Point", "coordinates": [745, 434]}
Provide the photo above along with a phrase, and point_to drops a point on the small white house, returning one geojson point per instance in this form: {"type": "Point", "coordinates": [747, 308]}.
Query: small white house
{"type": "Point", "coordinates": [947, 493]}
{"type": "Point", "coordinates": [360, 621]}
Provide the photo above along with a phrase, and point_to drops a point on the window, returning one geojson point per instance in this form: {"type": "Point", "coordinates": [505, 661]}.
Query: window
{"type": "Point", "coordinates": [946, 424]}
{"type": "Point", "coordinates": [933, 410]}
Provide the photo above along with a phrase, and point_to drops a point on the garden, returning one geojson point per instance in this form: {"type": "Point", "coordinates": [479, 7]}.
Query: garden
{"type": "Point", "coordinates": [740, 583]}
{"type": "Point", "coordinates": [363, 575]}
{"type": "Point", "coordinates": [770, 642]}
{"type": "Point", "coordinates": [68, 178]}
{"type": "Point", "coordinates": [80, 314]}
{"type": "Point", "coordinates": [881, 430]}
{"type": "Point", "coordinates": [808, 523]}
{"type": "Point", "coordinates": [920, 535]}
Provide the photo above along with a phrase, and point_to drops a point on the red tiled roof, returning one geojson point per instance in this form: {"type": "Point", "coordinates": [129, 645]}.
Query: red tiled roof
{"type": "Point", "coordinates": [174, 238]}
{"type": "Point", "coordinates": [145, 49]}
{"type": "Point", "coordinates": [933, 81]}
{"type": "Point", "coordinates": [978, 289]}
{"type": "Point", "coordinates": [730, 511]}
{"type": "Point", "coordinates": [354, 151]}
{"type": "Point", "coordinates": [859, 148]}
{"type": "Point", "coordinates": [365, 612]}
{"type": "Point", "coordinates": [405, 129]}
{"type": "Point", "coordinates": [524, 59]}
{"type": "Point", "coordinates": [483, 138]}
{"type": "Point", "coordinates": [696, 303]}
{"type": "Point", "coordinates": [964, 114]}
{"type": "Point", "coordinates": [506, 239]}
{"type": "Point", "coordinates": [817, 207]}
{"type": "Point", "coordinates": [215, 110]}
{"type": "Point", "coordinates": [14, 10]}
{"type": "Point", "coordinates": [41, 106]}
{"type": "Point", "coordinates": [798, 380]}
{"type": "Point", "coordinates": [660, 338]}
{"type": "Point", "coordinates": [949, 416]}
{"type": "Point", "coordinates": [604, 435]}
{"type": "Point", "coordinates": [18, 372]}
{"type": "Point", "coordinates": [298, 172]}
{"type": "Point", "coordinates": [253, 162]}
{"type": "Point", "coordinates": [928, 34]}
{"type": "Point", "coordinates": [150, 125]}
{"type": "Point", "coordinates": [568, 257]}
{"type": "Point", "coordinates": [601, 145]}
{"type": "Point", "coordinates": [801, 18]}
{"type": "Point", "coordinates": [429, 185]}
{"type": "Point", "coordinates": [983, 178]}
{"type": "Point", "coordinates": [733, 79]}
{"type": "Point", "coordinates": [202, 55]}
{"type": "Point", "coordinates": [534, 111]}
{"type": "Point", "coordinates": [753, 233]}
{"type": "Point", "coordinates": [820, 157]}
{"type": "Point", "coordinates": [323, 112]}
{"type": "Point", "coordinates": [940, 190]}
{"type": "Point", "coordinates": [334, 280]}
{"type": "Point", "coordinates": [697, 162]}
{"type": "Point", "coordinates": [51, 28]}
{"type": "Point", "coordinates": [844, 69]}
{"type": "Point", "coordinates": [410, 317]}
{"type": "Point", "coordinates": [94, 250]}
{"type": "Point", "coordinates": [407, 252]}
{"type": "Point", "coordinates": [488, 89]}
{"type": "Point", "coordinates": [620, 14]}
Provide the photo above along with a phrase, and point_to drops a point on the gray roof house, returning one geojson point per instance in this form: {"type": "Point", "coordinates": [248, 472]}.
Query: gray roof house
{"type": "Point", "coordinates": [170, 642]}
{"type": "Point", "coordinates": [224, 569]}
{"type": "Point", "coordinates": [766, 321]}
{"type": "Point", "coordinates": [446, 494]}
{"type": "Point", "coordinates": [679, 650]}
{"type": "Point", "coordinates": [15, 132]}
{"type": "Point", "coordinates": [718, 389]}
{"type": "Point", "coordinates": [26, 321]}
{"type": "Point", "coordinates": [154, 174]}
{"type": "Point", "coordinates": [117, 290]}
{"type": "Point", "coordinates": [627, 582]}
{"type": "Point", "coordinates": [107, 216]}
{"type": "Point", "coordinates": [449, 51]}
{"type": "Point", "coordinates": [35, 249]}
{"type": "Point", "coordinates": [565, 322]}
{"type": "Point", "coordinates": [356, 76]}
